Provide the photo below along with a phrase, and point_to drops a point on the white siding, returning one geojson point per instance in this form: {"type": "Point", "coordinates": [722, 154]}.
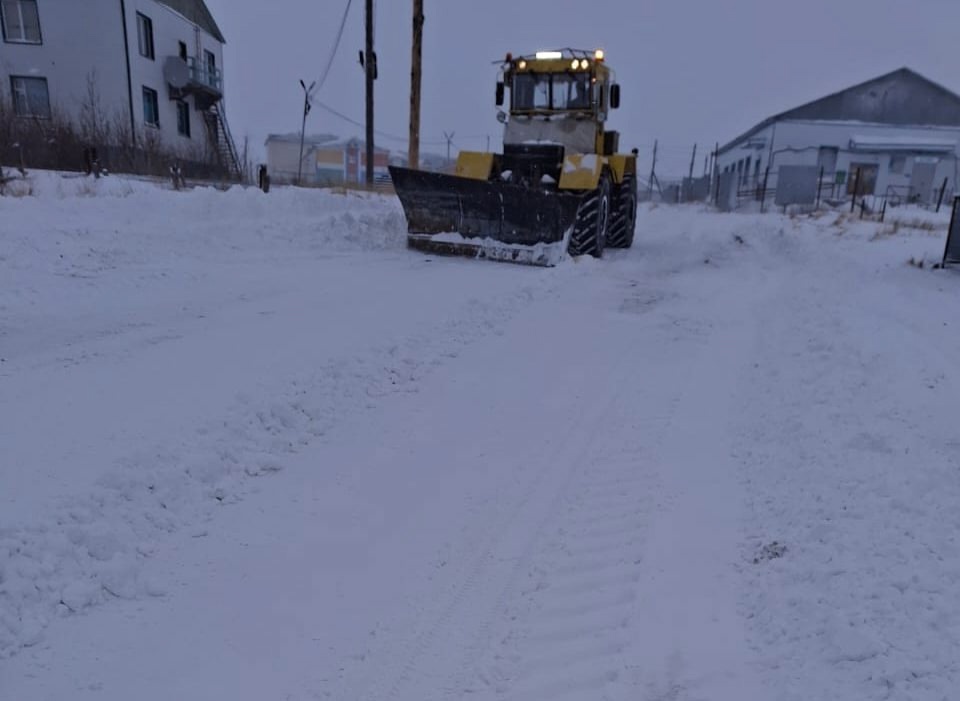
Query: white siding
{"type": "Point", "coordinates": [83, 37]}
{"type": "Point", "coordinates": [799, 143]}
{"type": "Point", "coordinates": [79, 39]}
{"type": "Point", "coordinates": [169, 28]}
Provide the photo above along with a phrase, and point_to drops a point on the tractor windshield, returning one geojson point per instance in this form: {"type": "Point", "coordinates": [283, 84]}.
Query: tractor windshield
{"type": "Point", "coordinates": [571, 91]}
{"type": "Point", "coordinates": [535, 92]}
{"type": "Point", "coordinates": [531, 92]}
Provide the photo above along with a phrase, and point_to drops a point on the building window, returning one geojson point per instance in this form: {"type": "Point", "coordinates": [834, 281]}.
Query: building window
{"type": "Point", "coordinates": [145, 35]}
{"type": "Point", "coordinates": [898, 164]}
{"type": "Point", "coordinates": [151, 108]}
{"type": "Point", "coordinates": [31, 97]}
{"type": "Point", "coordinates": [182, 50]}
{"type": "Point", "coordinates": [21, 21]}
{"type": "Point", "coordinates": [183, 119]}
{"type": "Point", "coordinates": [210, 66]}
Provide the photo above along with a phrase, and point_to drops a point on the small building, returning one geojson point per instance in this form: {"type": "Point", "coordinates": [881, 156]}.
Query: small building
{"type": "Point", "coordinates": [141, 73]}
{"type": "Point", "coordinates": [327, 160]}
{"type": "Point", "coordinates": [432, 162]}
{"type": "Point", "coordinates": [900, 132]}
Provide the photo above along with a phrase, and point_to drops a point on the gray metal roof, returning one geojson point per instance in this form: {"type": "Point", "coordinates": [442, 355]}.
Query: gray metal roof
{"type": "Point", "coordinates": [900, 98]}
{"type": "Point", "coordinates": [197, 12]}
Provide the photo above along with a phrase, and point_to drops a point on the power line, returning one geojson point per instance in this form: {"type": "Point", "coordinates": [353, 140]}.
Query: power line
{"type": "Point", "coordinates": [357, 123]}
{"type": "Point", "coordinates": [336, 46]}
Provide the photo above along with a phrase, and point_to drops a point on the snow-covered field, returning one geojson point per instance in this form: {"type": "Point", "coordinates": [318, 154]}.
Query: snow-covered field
{"type": "Point", "coordinates": [253, 448]}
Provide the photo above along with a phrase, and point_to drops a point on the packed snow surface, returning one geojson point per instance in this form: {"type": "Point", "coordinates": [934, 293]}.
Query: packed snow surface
{"type": "Point", "coordinates": [253, 448]}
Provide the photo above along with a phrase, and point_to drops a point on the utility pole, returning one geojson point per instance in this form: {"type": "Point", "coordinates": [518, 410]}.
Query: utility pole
{"type": "Point", "coordinates": [488, 143]}
{"type": "Point", "coordinates": [653, 168]}
{"type": "Point", "coordinates": [449, 138]}
{"type": "Point", "coordinates": [307, 93]}
{"type": "Point", "coordinates": [413, 156]}
{"type": "Point", "coordinates": [370, 66]}
{"type": "Point", "coordinates": [693, 160]}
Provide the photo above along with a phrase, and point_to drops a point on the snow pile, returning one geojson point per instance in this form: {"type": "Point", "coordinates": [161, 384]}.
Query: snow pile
{"type": "Point", "coordinates": [547, 254]}
{"type": "Point", "coordinates": [204, 337]}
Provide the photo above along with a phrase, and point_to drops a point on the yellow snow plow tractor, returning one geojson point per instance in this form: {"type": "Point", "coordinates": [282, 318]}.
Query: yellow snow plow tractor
{"type": "Point", "coordinates": [559, 185]}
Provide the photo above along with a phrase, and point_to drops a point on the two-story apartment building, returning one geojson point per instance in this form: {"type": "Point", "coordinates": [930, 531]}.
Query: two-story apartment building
{"type": "Point", "coordinates": [151, 68]}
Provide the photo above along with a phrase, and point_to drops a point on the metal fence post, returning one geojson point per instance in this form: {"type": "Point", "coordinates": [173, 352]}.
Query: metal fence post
{"type": "Point", "coordinates": [953, 216]}
{"type": "Point", "coordinates": [819, 186]}
{"type": "Point", "coordinates": [856, 190]}
{"type": "Point", "coordinates": [943, 189]}
{"type": "Point", "coordinates": [763, 192]}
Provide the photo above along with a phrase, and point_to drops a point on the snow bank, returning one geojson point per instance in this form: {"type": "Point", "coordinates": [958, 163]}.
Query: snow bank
{"type": "Point", "coordinates": [266, 319]}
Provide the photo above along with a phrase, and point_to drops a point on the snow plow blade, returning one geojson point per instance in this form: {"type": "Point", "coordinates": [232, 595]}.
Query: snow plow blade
{"type": "Point", "coordinates": [452, 215]}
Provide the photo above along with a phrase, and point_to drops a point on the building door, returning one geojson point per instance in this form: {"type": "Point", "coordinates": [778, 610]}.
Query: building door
{"type": "Point", "coordinates": [827, 159]}
{"type": "Point", "coordinates": [211, 66]}
{"type": "Point", "coordinates": [921, 181]}
{"type": "Point", "coordinates": [866, 184]}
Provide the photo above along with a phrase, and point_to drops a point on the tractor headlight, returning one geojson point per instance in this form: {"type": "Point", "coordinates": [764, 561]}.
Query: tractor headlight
{"type": "Point", "coordinates": [584, 64]}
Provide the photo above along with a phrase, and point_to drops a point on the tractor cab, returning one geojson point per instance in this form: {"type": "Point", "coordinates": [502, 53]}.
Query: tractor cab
{"type": "Point", "coordinates": [559, 97]}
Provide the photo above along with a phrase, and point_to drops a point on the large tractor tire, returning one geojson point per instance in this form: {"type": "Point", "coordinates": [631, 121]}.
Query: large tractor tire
{"type": "Point", "coordinates": [624, 219]}
{"type": "Point", "coordinates": [589, 236]}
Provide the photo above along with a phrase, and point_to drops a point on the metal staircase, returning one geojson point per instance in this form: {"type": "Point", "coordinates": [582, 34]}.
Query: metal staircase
{"type": "Point", "coordinates": [222, 140]}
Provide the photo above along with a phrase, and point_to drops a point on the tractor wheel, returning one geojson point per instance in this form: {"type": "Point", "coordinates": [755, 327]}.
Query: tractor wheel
{"type": "Point", "coordinates": [589, 234]}
{"type": "Point", "coordinates": [624, 219]}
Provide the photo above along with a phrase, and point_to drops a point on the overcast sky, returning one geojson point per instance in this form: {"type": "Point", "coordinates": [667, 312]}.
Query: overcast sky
{"type": "Point", "coordinates": [690, 70]}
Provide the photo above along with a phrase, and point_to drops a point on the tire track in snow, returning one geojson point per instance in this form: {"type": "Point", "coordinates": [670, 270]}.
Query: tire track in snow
{"type": "Point", "coordinates": [536, 502]}
{"type": "Point", "coordinates": [92, 550]}
{"type": "Point", "coordinates": [564, 634]}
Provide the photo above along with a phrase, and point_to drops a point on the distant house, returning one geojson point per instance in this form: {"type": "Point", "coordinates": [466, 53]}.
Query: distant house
{"type": "Point", "coordinates": [900, 131]}
{"type": "Point", "coordinates": [428, 161]}
{"type": "Point", "coordinates": [327, 160]}
{"type": "Point", "coordinates": [135, 71]}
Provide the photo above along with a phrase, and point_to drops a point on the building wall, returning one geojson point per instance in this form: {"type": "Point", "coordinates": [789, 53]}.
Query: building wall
{"type": "Point", "coordinates": [169, 28]}
{"type": "Point", "coordinates": [282, 158]}
{"type": "Point", "coordinates": [84, 39]}
{"type": "Point", "coordinates": [323, 165]}
{"type": "Point", "coordinates": [356, 163]}
{"type": "Point", "coordinates": [328, 166]}
{"type": "Point", "coordinates": [80, 40]}
{"type": "Point", "coordinates": [799, 143]}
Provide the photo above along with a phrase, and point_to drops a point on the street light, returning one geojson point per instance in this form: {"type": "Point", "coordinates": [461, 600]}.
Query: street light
{"type": "Point", "coordinates": [307, 94]}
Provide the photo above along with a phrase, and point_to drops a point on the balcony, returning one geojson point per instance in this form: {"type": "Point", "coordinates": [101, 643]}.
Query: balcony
{"type": "Point", "coordinates": [193, 77]}
{"type": "Point", "coordinates": [204, 77]}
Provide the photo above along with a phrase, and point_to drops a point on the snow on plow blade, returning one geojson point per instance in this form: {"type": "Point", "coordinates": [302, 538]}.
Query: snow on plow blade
{"type": "Point", "coordinates": [448, 214]}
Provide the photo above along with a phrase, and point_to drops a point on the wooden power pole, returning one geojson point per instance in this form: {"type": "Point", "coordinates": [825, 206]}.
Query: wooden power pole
{"type": "Point", "coordinates": [413, 157]}
{"type": "Point", "coordinates": [370, 66]}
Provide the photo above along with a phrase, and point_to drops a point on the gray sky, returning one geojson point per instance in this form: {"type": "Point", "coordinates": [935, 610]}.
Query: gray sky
{"type": "Point", "coordinates": [690, 70]}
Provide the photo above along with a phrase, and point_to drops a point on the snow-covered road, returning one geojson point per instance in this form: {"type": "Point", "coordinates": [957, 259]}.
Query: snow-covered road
{"type": "Point", "coordinates": [275, 455]}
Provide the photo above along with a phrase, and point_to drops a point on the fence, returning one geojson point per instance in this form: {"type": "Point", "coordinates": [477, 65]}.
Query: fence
{"type": "Point", "coordinates": [58, 143]}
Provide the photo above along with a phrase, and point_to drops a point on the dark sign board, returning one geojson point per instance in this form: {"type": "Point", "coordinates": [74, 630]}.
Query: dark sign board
{"type": "Point", "coordinates": [951, 254]}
